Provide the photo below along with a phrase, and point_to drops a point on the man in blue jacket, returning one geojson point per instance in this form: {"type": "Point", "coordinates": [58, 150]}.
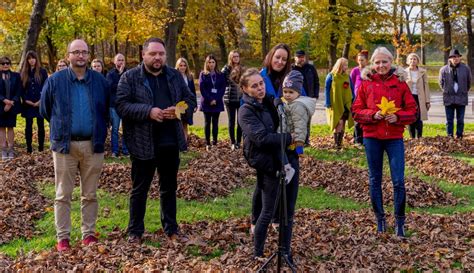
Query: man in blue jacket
{"type": "Point", "coordinates": [75, 102]}
{"type": "Point", "coordinates": [146, 100]}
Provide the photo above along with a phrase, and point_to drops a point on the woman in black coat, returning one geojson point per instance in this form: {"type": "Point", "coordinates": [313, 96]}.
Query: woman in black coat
{"type": "Point", "coordinates": [10, 92]}
{"type": "Point", "coordinates": [259, 120]}
{"type": "Point", "coordinates": [33, 77]}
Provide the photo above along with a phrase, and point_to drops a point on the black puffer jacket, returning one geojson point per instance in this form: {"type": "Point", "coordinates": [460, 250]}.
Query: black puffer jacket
{"type": "Point", "coordinates": [134, 102]}
{"type": "Point", "coordinates": [259, 122]}
{"type": "Point", "coordinates": [232, 94]}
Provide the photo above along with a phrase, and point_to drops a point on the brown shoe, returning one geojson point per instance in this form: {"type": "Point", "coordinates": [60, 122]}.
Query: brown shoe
{"type": "Point", "coordinates": [134, 239]}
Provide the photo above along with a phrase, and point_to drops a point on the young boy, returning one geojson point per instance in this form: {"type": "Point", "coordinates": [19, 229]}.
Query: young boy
{"type": "Point", "coordinates": [298, 109]}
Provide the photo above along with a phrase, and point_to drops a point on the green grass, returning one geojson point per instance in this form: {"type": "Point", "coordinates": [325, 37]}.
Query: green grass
{"type": "Point", "coordinates": [464, 157]}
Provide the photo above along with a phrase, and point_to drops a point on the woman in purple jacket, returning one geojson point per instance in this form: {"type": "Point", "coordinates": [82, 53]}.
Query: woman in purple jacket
{"type": "Point", "coordinates": [362, 59]}
{"type": "Point", "coordinates": [212, 85]}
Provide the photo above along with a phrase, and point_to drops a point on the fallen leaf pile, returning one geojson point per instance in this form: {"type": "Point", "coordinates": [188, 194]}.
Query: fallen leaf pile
{"type": "Point", "coordinates": [212, 174]}
{"type": "Point", "coordinates": [345, 180]}
{"type": "Point", "coordinates": [196, 142]}
{"type": "Point", "coordinates": [322, 240]}
{"type": "Point", "coordinates": [431, 161]}
{"type": "Point", "coordinates": [21, 204]}
{"type": "Point", "coordinates": [446, 144]}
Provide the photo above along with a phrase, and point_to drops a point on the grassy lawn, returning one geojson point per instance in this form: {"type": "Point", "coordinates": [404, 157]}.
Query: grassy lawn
{"type": "Point", "coordinates": [113, 208]}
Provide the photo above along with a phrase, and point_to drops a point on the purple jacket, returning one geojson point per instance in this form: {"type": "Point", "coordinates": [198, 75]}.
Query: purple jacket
{"type": "Point", "coordinates": [212, 88]}
{"type": "Point", "coordinates": [356, 79]}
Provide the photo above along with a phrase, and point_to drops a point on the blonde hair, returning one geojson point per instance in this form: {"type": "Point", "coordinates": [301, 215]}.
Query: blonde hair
{"type": "Point", "coordinates": [229, 58]}
{"type": "Point", "coordinates": [244, 79]}
{"type": "Point", "coordinates": [413, 55]}
{"type": "Point", "coordinates": [381, 50]}
{"type": "Point", "coordinates": [337, 68]}
{"type": "Point", "coordinates": [187, 72]}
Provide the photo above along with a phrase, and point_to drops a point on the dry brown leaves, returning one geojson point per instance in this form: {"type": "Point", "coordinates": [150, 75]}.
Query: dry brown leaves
{"type": "Point", "coordinates": [322, 240]}
{"type": "Point", "coordinates": [346, 181]}
{"type": "Point", "coordinates": [21, 204]}
{"type": "Point", "coordinates": [447, 144]}
{"type": "Point", "coordinates": [430, 159]}
{"type": "Point", "coordinates": [212, 174]}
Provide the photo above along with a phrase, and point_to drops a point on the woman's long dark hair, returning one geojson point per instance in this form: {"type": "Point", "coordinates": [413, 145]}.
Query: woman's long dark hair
{"type": "Point", "coordinates": [267, 63]}
{"type": "Point", "coordinates": [25, 68]}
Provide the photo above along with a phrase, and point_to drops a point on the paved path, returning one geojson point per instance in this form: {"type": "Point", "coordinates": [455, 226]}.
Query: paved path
{"type": "Point", "coordinates": [436, 115]}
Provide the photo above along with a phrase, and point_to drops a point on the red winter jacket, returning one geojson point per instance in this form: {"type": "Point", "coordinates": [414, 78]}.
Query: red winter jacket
{"type": "Point", "coordinates": [370, 94]}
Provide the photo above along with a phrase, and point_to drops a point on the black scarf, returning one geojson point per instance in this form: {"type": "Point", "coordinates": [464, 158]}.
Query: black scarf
{"type": "Point", "coordinates": [6, 79]}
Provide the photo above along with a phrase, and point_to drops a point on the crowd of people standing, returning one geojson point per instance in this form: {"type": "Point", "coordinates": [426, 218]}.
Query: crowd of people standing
{"type": "Point", "coordinates": [80, 102]}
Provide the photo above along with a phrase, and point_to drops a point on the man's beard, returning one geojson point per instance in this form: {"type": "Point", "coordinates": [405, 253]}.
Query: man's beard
{"type": "Point", "coordinates": [153, 69]}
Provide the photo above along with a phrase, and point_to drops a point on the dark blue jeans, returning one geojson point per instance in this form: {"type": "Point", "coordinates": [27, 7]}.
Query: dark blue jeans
{"type": "Point", "coordinates": [374, 149]}
{"type": "Point", "coordinates": [143, 172]}
{"type": "Point", "coordinates": [459, 109]}
{"type": "Point", "coordinates": [114, 134]}
{"type": "Point", "coordinates": [270, 190]}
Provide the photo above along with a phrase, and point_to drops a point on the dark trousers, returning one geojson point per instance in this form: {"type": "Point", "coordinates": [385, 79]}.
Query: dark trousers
{"type": "Point", "coordinates": [358, 134]}
{"type": "Point", "coordinates": [29, 134]}
{"type": "Point", "coordinates": [232, 112]}
{"type": "Point", "coordinates": [270, 191]}
{"type": "Point", "coordinates": [416, 128]}
{"type": "Point", "coordinates": [142, 175]}
{"type": "Point", "coordinates": [374, 149]}
{"type": "Point", "coordinates": [459, 110]}
{"type": "Point", "coordinates": [211, 118]}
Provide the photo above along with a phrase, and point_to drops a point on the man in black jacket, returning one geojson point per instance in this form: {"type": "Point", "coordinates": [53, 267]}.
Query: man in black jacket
{"type": "Point", "coordinates": [310, 74]}
{"type": "Point", "coordinates": [113, 78]}
{"type": "Point", "coordinates": [146, 100]}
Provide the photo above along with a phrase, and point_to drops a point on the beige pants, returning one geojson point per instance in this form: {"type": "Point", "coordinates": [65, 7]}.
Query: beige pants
{"type": "Point", "coordinates": [81, 157]}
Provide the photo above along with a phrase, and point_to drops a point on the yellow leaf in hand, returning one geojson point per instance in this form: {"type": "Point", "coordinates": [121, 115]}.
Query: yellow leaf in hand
{"type": "Point", "coordinates": [284, 100]}
{"type": "Point", "coordinates": [387, 107]}
{"type": "Point", "coordinates": [180, 109]}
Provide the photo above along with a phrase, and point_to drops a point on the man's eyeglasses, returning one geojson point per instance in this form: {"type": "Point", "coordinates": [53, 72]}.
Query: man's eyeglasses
{"type": "Point", "coordinates": [79, 52]}
{"type": "Point", "coordinates": [5, 63]}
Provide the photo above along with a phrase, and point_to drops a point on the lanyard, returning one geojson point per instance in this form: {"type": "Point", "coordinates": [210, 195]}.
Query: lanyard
{"type": "Point", "coordinates": [213, 80]}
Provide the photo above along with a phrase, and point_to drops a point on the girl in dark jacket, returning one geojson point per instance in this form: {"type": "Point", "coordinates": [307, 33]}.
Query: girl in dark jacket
{"type": "Point", "coordinates": [259, 121]}
{"type": "Point", "coordinates": [212, 86]}
{"type": "Point", "coordinates": [10, 92]}
{"type": "Point", "coordinates": [232, 95]}
{"type": "Point", "coordinates": [33, 77]}
{"type": "Point", "coordinates": [183, 67]}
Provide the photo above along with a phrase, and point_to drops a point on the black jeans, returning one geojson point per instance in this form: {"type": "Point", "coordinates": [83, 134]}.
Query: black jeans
{"type": "Point", "coordinates": [270, 192]}
{"type": "Point", "coordinates": [232, 112]}
{"type": "Point", "coordinates": [211, 117]}
{"type": "Point", "coordinates": [450, 111]}
{"type": "Point", "coordinates": [358, 134]}
{"type": "Point", "coordinates": [416, 128]}
{"type": "Point", "coordinates": [143, 171]}
{"type": "Point", "coordinates": [29, 134]}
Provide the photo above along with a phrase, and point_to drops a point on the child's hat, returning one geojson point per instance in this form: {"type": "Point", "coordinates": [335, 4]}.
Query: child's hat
{"type": "Point", "coordinates": [294, 81]}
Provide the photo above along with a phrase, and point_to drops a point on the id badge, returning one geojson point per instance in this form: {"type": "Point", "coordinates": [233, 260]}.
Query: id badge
{"type": "Point", "coordinates": [214, 91]}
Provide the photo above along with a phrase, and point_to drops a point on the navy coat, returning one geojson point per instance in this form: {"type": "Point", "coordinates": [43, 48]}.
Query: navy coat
{"type": "Point", "coordinates": [32, 92]}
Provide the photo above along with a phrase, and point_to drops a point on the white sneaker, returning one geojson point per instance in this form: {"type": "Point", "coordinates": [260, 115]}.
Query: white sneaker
{"type": "Point", "coordinates": [290, 172]}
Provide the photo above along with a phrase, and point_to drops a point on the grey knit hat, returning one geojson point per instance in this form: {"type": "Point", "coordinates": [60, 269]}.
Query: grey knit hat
{"type": "Point", "coordinates": [294, 81]}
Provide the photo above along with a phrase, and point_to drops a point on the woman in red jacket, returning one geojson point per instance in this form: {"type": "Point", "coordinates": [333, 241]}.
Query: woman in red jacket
{"type": "Point", "coordinates": [383, 130]}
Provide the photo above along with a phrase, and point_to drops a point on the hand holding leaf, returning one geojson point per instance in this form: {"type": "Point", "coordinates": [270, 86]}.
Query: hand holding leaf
{"type": "Point", "coordinates": [387, 107]}
{"type": "Point", "coordinates": [180, 108]}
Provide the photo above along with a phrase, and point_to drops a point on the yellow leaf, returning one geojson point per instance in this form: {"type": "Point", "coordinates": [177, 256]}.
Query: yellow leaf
{"type": "Point", "coordinates": [180, 109]}
{"type": "Point", "coordinates": [387, 107]}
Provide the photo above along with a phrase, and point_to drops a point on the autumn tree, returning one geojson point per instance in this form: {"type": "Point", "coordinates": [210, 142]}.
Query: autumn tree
{"type": "Point", "coordinates": [34, 28]}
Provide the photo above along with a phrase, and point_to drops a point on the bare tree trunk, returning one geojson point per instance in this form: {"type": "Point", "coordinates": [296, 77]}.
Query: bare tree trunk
{"type": "Point", "coordinates": [174, 26]}
{"type": "Point", "coordinates": [116, 50]}
{"type": "Point", "coordinates": [447, 29]}
{"type": "Point", "coordinates": [347, 42]}
{"type": "Point", "coordinates": [470, 39]}
{"type": "Point", "coordinates": [422, 46]}
{"type": "Point", "coordinates": [263, 27]}
{"type": "Point", "coordinates": [34, 29]}
{"type": "Point", "coordinates": [222, 46]}
{"type": "Point", "coordinates": [334, 39]}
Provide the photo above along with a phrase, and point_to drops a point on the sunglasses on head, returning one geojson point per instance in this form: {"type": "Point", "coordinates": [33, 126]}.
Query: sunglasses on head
{"type": "Point", "coordinates": [7, 63]}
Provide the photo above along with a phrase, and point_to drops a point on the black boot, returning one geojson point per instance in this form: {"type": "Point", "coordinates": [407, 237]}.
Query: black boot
{"type": "Point", "coordinates": [340, 137]}
{"type": "Point", "coordinates": [400, 226]}
{"type": "Point", "coordinates": [381, 225]}
{"type": "Point", "coordinates": [336, 137]}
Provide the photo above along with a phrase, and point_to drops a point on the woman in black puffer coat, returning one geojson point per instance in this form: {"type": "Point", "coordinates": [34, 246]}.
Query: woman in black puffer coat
{"type": "Point", "coordinates": [258, 118]}
{"type": "Point", "coordinates": [232, 95]}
